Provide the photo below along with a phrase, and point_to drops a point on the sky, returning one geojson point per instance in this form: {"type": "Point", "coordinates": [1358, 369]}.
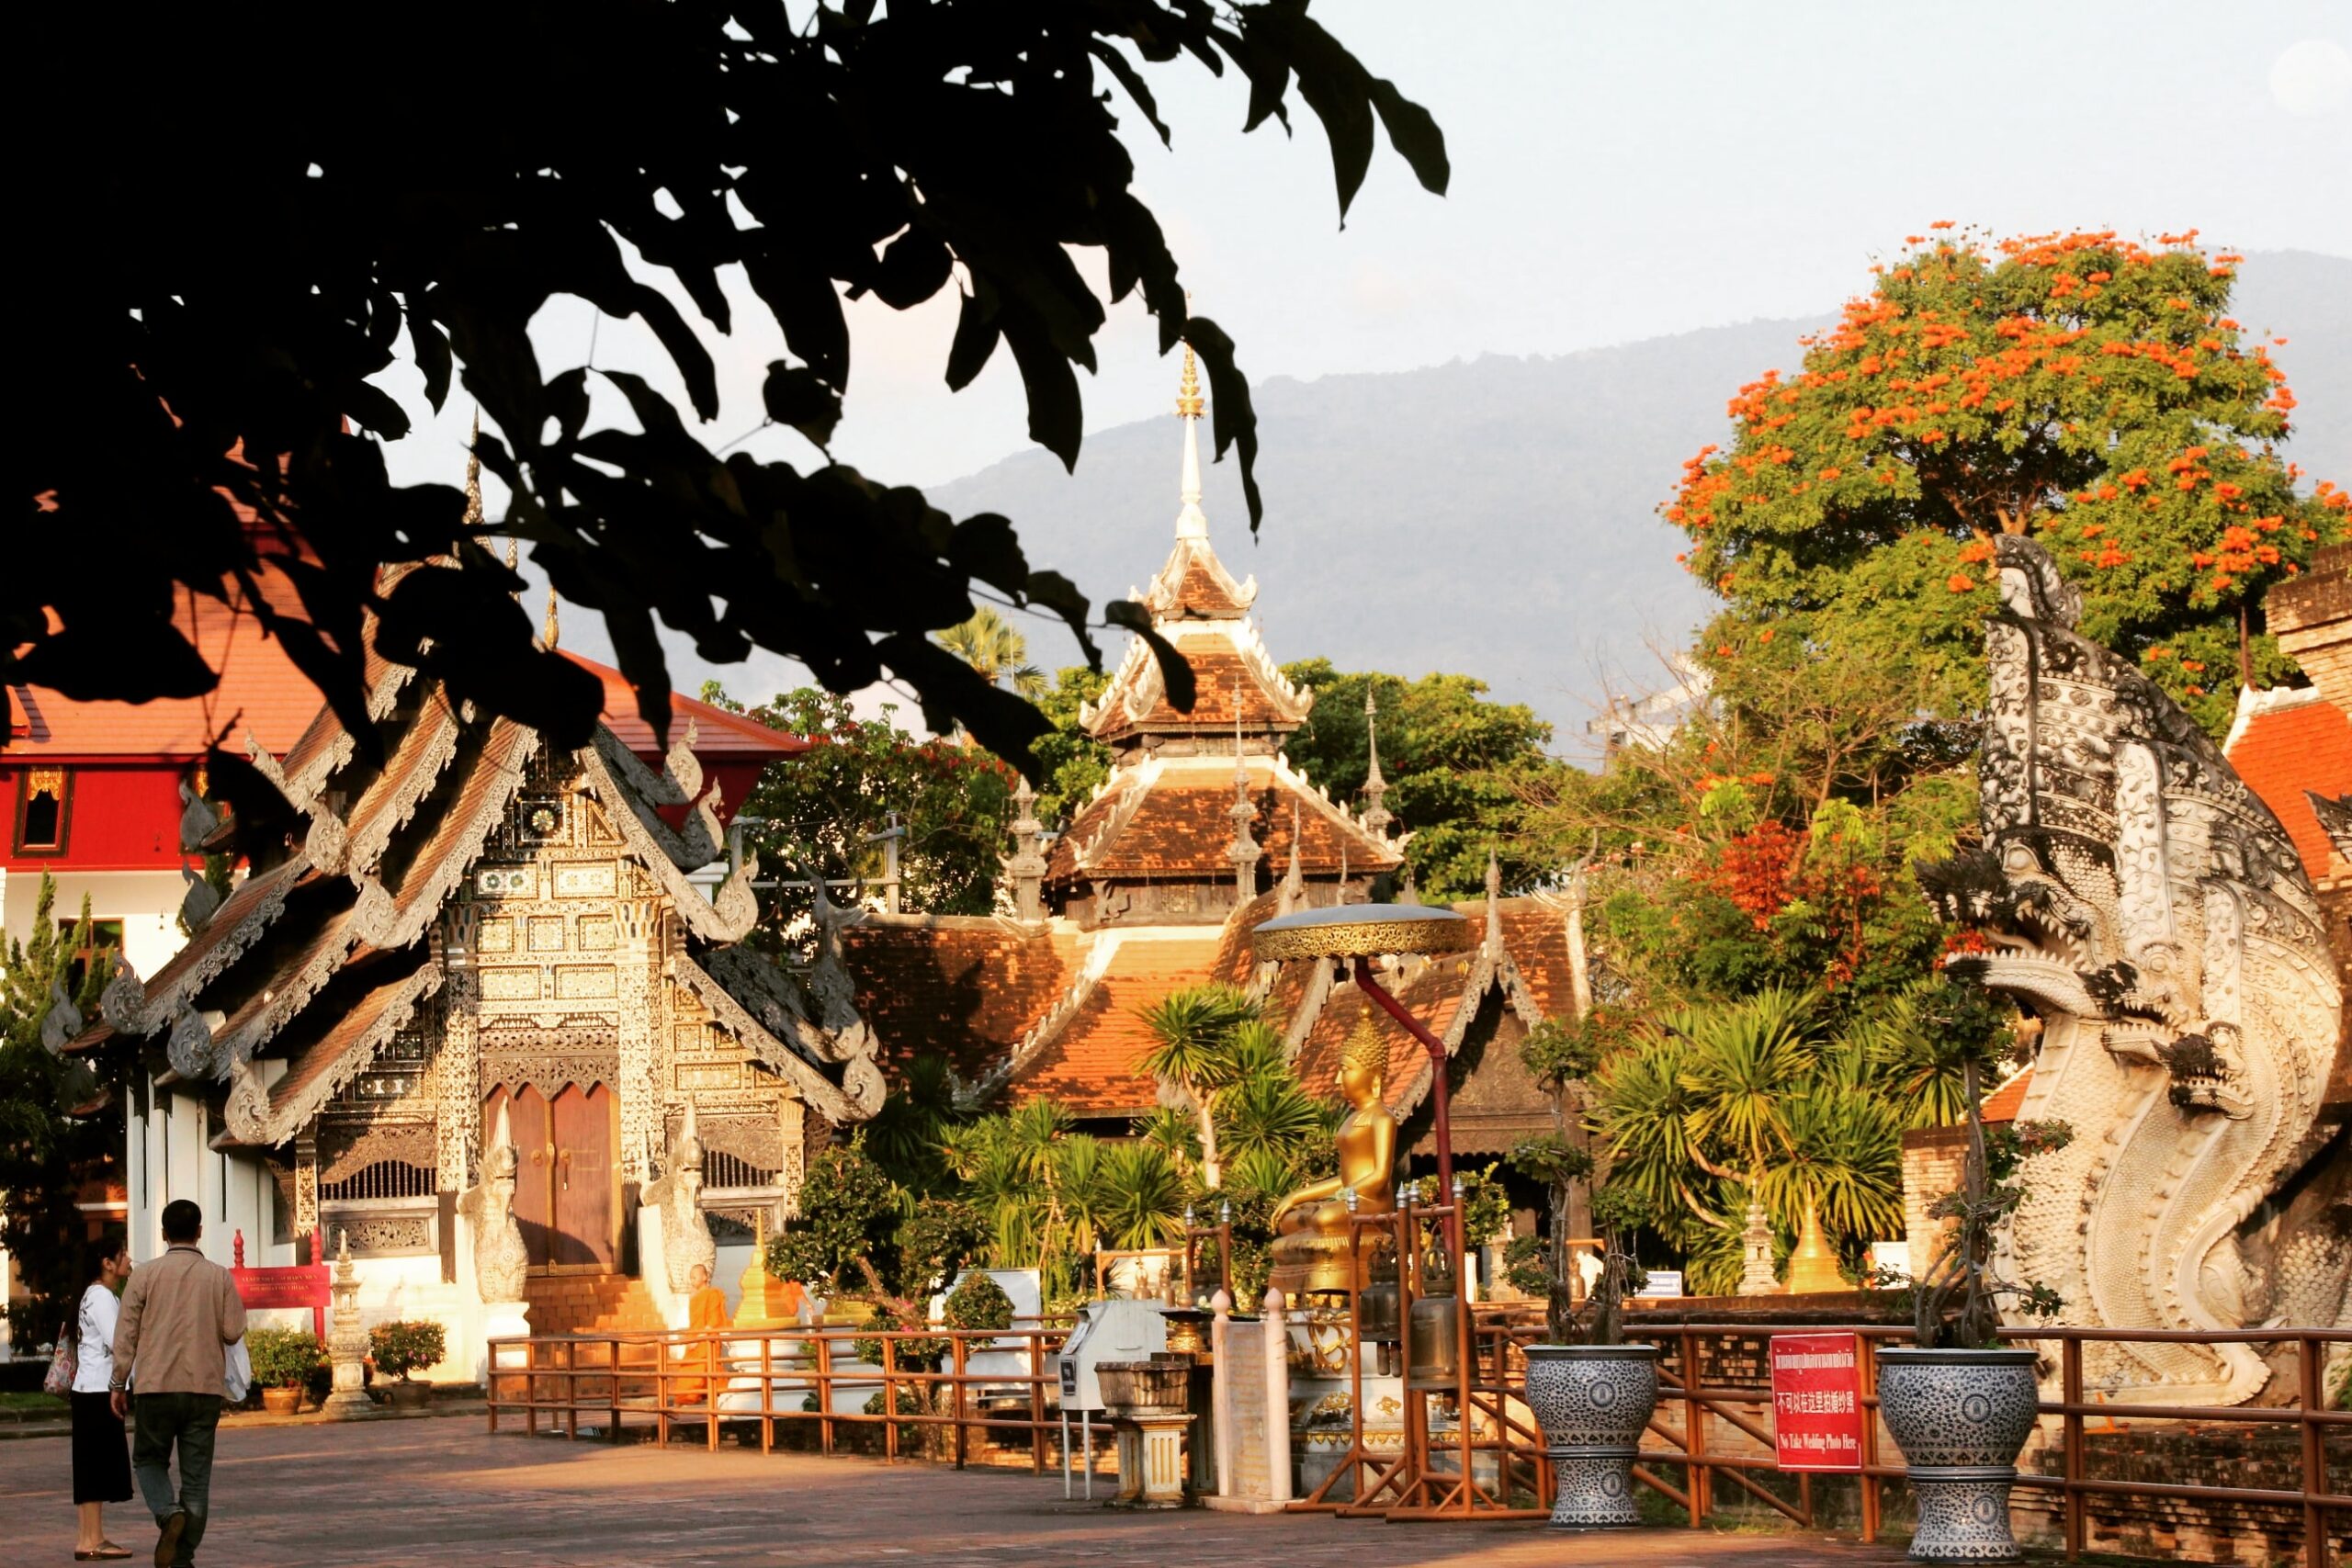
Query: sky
{"type": "Point", "coordinates": [1620, 172]}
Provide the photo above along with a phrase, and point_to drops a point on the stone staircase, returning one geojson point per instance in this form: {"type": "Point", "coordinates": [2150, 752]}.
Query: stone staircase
{"type": "Point", "coordinates": [590, 1303]}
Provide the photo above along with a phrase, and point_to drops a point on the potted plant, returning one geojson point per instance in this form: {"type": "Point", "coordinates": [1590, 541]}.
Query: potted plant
{"type": "Point", "coordinates": [1591, 1392]}
{"type": "Point", "coordinates": [1958, 1402]}
{"type": "Point", "coordinates": [400, 1348]}
{"type": "Point", "coordinates": [283, 1359]}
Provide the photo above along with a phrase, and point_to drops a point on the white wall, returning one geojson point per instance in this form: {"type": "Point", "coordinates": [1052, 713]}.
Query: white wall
{"type": "Point", "coordinates": [146, 902]}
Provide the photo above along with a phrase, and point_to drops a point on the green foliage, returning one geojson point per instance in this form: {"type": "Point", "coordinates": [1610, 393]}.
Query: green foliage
{"type": "Point", "coordinates": [900, 153]}
{"type": "Point", "coordinates": [1760, 1095]}
{"type": "Point", "coordinates": [283, 1358]}
{"type": "Point", "coordinates": [400, 1348]}
{"type": "Point", "coordinates": [45, 1153]}
{"type": "Point", "coordinates": [1460, 770]}
{"type": "Point", "coordinates": [979, 1303]}
{"type": "Point", "coordinates": [1959, 1301]}
{"type": "Point", "coordinates": [939, 1238]}
{"type": "Point", "coordinates": [2079, 387]}
{"type": "Point", "coordinates": [995, 650]}
{"type": "Point", "coordinates": [1071, 763]}
{"type": "Point", "coordinates": [849, 1208]}
{"type": "Point", "coordinates": [825, 811]}
{"type": "Point", "coordinates": [923, 1354]}
{"type": "Point", "coordinates": [1486, 1203]}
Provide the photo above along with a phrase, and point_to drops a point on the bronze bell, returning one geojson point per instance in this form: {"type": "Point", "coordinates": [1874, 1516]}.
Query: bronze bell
{"type": "Point", "coordinates": [1433, 1349]}
{"type": "Point", "coordinates": [1376, 1313]}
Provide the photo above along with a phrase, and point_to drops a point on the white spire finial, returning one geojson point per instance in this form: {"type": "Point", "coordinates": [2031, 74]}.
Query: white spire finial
{"type": "Point", "coordinates": [1191, 523]}
{"type": "Point", "coordinates": [1377, 817]}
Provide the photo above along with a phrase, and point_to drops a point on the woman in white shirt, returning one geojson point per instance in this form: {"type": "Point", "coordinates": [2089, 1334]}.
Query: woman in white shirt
{"type": "Point", "coordinates": [101, 1451]}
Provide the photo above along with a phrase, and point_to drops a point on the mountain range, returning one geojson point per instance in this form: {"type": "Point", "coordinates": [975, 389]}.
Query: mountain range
{"type": "Point", "coordinates": [1497, 516]}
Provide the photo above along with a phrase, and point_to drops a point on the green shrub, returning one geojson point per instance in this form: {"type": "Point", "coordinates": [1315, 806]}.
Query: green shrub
{"type": "Point", "coordinates": [979, 1303]}
{"type": "Point", "coordinates": [400, 1348]}
{"type": "Point", "coordinates": [921, 1355]}
{"type": "Point", "coordinates": [283, 1358]}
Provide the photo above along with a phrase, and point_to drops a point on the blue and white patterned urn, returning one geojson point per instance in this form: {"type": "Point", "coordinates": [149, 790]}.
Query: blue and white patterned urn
{"type": "Point", "coordinates": [1960, 1417]}
{"type": "Point", "coordinates": [1593, 1402]}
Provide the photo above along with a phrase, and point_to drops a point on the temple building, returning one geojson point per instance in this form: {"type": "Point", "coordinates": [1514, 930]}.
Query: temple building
{"type": "Point", "coordinates": [1204, 829]}
{"type": "Point", "coordinates": [465, 926]}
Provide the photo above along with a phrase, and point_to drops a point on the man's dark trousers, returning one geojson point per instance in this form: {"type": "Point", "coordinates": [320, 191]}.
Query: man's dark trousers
{"type": "Point", "coordinates": [190, 1422]}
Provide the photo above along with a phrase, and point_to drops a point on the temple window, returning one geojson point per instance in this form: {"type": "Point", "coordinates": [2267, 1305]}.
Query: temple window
{"type": "Point", "coordinates": [42, 811]}
{"type": "Point", "coordinates": [84, 943]}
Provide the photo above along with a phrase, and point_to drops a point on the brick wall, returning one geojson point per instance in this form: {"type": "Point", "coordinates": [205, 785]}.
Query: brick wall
{"type": "Point", "coordinates": [1933, 1162]}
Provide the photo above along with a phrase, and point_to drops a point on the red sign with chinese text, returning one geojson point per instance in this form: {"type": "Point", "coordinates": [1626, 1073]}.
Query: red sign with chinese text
{"type": "Point", "coordinates": [1817, 1402]}
{"type": "Point", "coordinates": [301, 1285]}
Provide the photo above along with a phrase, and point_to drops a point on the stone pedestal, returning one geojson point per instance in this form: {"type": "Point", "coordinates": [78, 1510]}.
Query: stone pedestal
{"type": "Point", "coordinates": [1152, 1459]}
{"type": "Point", "coordinates": [346, 1340]}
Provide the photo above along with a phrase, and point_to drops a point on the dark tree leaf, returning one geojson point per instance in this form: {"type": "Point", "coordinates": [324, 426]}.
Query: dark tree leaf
{"type": "Point", "coordinates": [1175, 672]}
{"type": "Point", "coordinates": [1233, 421]}
{"type": "Point", "coordinates": [914, 267]}
{"type": "Point", "coordinates": [795, 396]}
{"type": "Point", "coordinates": [129, 661]}
{"type": "Point", "coordinates": [975, 335]}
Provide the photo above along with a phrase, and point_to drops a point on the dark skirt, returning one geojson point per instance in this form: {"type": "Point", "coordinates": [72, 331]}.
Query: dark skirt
{"type": "Point", "coordinates": [101, 1453]}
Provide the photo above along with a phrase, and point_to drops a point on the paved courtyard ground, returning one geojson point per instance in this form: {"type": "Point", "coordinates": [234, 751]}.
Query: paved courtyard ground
{"type": "Point", "coordinates": [445, 1492]}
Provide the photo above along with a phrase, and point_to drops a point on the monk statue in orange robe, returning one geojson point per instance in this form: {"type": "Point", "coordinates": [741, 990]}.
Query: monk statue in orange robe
{"type": "Point", "coordinates": [705, 1310]}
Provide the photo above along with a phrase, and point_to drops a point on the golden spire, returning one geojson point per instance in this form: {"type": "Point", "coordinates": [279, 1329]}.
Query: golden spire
{"type": "Point", "coordinates": [1191, 522]}
{"type": "Point", "coordinates": [473, 477]}
{"type": "Point", "coordinates": [549, 634]}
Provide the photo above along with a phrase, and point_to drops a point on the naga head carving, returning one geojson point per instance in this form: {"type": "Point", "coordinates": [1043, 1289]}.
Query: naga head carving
{"type": "Point", "coordinates": [2132, 893]}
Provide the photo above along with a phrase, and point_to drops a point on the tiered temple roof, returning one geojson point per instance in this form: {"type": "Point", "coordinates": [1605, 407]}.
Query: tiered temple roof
{"type": "Point", "coordinates": [335, 937]}
{"type": "Point", "coordinates": [1203, 830]}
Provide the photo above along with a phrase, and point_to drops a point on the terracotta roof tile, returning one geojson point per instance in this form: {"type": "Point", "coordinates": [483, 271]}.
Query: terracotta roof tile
{"type": "Point", "coordinates": [1182, 828]}
{"type": "Point", "coordinates": [718, 735]}
{"type": "Point", "coordinates": [2002, 1104]}
{"type": "Point", "coordinates": [1089, 1063]}
{"type": "Point", "coordinates": [2286, 750]}
{"type": "Point", "coordinates": [966, 987]}
{"type": "Point", "coordinates": [1224, 685]}
{"type": "Point", "coordinates": [1432, 994]}
{"type": "Point", "coordinates": [260, 690]}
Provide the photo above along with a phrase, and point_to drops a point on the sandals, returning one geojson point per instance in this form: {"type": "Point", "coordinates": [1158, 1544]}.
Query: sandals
{"type": "Point", "coordinates": [107, 1552]}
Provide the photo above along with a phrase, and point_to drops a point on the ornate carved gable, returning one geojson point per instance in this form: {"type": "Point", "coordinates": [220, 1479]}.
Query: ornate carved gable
{"type": "Point", "coordinates": [526, 904]}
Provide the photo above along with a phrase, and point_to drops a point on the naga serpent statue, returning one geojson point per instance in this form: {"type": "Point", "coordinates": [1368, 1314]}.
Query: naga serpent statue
{"type": "Point", "coordinates": [2142, 901]}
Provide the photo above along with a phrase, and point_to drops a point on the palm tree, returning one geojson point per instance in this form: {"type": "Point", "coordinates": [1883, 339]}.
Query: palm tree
{"type": "Point", "coordinates": [1142, 1196]}
{"type": "Point", "coordinates": [996, 653]}
{"type": "Point", "coordinates": [1918, 1056]}
{"type": "Point", "coordinates": [1194, 1029]}
{"type": "Point", "coordinates": [1747, 1060]}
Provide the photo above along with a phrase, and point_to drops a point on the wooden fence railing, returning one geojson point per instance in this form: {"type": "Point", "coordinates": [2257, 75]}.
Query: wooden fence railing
{"type": "Point", "coordinates": [663, 1381]}
{"type": "Point", "coordinates": [616, 1380]}
{"type": "Point", "coordinates": [1703, 1410]}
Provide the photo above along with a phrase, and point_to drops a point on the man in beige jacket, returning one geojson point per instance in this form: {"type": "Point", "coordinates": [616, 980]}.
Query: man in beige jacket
{"type": "Point", "coordinates": [180, 1314]}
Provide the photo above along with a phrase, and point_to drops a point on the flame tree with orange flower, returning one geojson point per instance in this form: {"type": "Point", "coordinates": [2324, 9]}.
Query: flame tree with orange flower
{"type": "Point", "coordinates": [2088, 390]}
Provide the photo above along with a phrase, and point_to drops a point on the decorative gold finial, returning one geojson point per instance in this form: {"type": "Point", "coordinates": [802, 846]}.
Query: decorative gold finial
{"type": "Point", "coordinates": [549, 636]}
{"type": "Point", "coordinates": [473, 478]}
{"type": "Point", "coordinates": [1188, 392]}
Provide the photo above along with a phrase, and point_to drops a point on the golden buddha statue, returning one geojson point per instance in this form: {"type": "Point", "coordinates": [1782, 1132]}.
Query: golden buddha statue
{"type": "Point", "coordinates": [1310, 1249]}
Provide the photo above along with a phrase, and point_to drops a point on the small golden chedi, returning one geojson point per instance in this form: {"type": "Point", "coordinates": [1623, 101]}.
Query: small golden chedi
{"type": "Point", "coordinates": [1310, 1249]}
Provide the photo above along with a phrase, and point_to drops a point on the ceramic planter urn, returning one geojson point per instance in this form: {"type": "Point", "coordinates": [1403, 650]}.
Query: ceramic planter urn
{"type": "Point", "coordinates": [1960, 1417]}
{"type": "Point", "coordinates": [1593, 1402]}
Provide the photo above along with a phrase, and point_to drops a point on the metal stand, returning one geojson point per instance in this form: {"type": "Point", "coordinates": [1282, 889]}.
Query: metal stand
{"type": "Point", "coordinates": [1359, 1459]}
{"type": "Point", "coordinates": [1086, 1435]}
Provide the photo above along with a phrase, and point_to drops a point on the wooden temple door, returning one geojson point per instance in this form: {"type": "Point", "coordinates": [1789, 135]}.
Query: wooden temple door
{"type": "Point", "coordinates": [566, 1192]}
{"type": "Point", "coordinates": [585, 1177]}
